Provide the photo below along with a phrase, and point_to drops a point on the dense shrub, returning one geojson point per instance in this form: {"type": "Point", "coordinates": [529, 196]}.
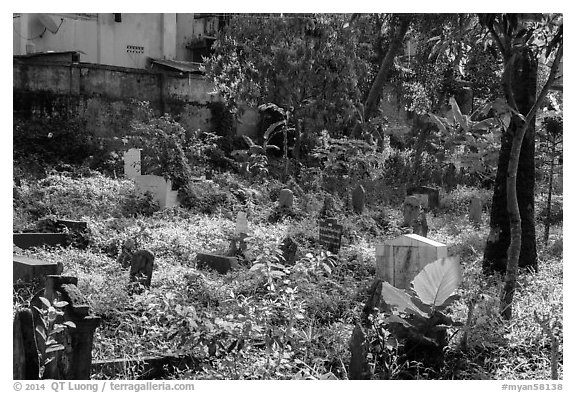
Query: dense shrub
{"type": "Point", "coordinates": [556, 209]}
{"type": "Point", "coordinates": [73, 198]}
{"type": "Point", "coordinates": [139, 204]}
{"type": "Point", "coordinates": [458, 200]}
{"type": "Point", "coordinates": [204, 197]}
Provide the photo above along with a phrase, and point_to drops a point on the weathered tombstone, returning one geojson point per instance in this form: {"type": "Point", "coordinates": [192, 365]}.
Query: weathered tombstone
{"type": "Point", "coordinates": [433, 195]}
{"type": "Point", "coordinates": [399, 260]}
{"type": "Point", "coordinates": [420, 225]}
{"type": "Point", "coordinates": [289, 249]}
{"type": "Point", "coordinates": [141, 268]}
{"type": "Point", "coordinates": [475, 210]}
{"type": "Point", "coordinates": [75, 360]}
{"type": "Point", "coordinates": [132, 164]}
{"type": "Point", "coordinates": [72, 225]}
{"type": "Point", "coordinates": [160, 188]}
{"type": "Point", "coordinates": [359, 367]}
{"type": "Point", "coordinates": [450, 177]}
{"type": "Point", "coordinates": [423, 198]}
{"type": "Point", "coordinates": [221, 263]}
{"type": "Point", "coordinates": [29, 240]}
{"type": "Point", "coordinates": [241, 223]}
{"type": "Point", "coordinates": [330, 235]}
{"type": "Point", "coordinates": [328, 207]}
{"type": "Point", "coordinates": [411, 210]}
{"type": "Point", "coordinates": [126, 252]}
{"type": "Point", "coordinates": [286, 198]}
{"type": "Point", "coordinates": [27, 269]}
{"type": "Point", "coordinates": [24, 355]}
{"type": "Point", "coordinates": [358, 199]}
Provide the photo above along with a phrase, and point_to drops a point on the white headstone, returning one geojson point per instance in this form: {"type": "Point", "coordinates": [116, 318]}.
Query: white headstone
{"type": "Point", "coordinates": [132, 163]}
{"type": "Point", "coordinates": [160, 188]}
{"type": "Point", "coordinates": [241, 223]}
{"type": "Point", "coordinates": [399, 260]}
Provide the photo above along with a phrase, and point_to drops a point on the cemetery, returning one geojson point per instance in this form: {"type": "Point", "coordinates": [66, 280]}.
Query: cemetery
{"type": "Point", "coordinates": [180, 253]}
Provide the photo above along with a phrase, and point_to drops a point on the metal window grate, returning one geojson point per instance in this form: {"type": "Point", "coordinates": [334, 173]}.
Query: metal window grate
{"type": "Point", "coordinates": [134, 49]}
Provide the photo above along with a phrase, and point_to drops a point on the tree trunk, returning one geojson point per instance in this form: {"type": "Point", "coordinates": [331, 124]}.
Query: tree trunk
{"type": "Point", "coordinates": [516, 235]}
{"type": "Point", "coordinates": [549, 201]}
{"type": "Point", "coordinates": [395, 45]}
{"type": "Point", "coordinates": [496, 251]}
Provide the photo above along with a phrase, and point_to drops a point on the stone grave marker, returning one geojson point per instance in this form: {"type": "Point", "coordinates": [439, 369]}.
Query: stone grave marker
{"type": "Point", "coordinates": [72, 225]}
{"type": "Point", "coordinates": [289, 249]}
{"type": "Point", "coordinates": [24, 355]}
{"type": "Point", "coordinates": [328, 207]}
{"type": "Point", "coordinates": [420, 225]}
{"type": "Point", "coordinates": [74, 362]}
{"type": "Point", "coordinates": [475, 215]}
{"type": "Point", "coordinates": [221, 263]}
{"type": "Point", "coordinates": [358, 199]}
{"type": "Point", "coordinates": [423, 198]}
{"type": "Point", "coordinates": [132, 163]}
{"type": "Point", "coordinates": [141, 268]}
{"type": "Point", "coordinates": [33, 239]}
{"type": "Point", "coordinates": [241, 223]}
{"type": "Point", "coordinates": [433, 195]}
{"type": "Point", "coordinates": [160, 188]}
{"type": "Point", "coordinates": [286, 198]}
{"type": "Point", "coordinates": [330, 235]}
{"type": "Point", "coordinates": [399, 260]}
{"type": "Point", "coordinates": [27, 269]}
{"type": "Point", "coordinates": [411, 210]}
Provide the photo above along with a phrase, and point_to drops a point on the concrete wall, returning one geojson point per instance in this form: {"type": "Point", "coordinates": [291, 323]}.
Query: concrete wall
{"type": "Point", "coordinates": [103, 40]}
{"type": "Point", "coordinates": [104, 95]}
{"type": "Point", "coordinates": [111, 82]}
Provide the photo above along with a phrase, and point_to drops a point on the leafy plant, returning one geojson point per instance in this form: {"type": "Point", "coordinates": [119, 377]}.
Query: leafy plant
{"type": "Point", "coordinates": [472, 144]}
{"type": "Point", "coordinates": [420, 312]}
{"type": "Point", "coordinates": [346, 159]}
{"type": "Point", "coordinates": [48, 331]}
{"type": "Point", "coordinates": [163, 142]}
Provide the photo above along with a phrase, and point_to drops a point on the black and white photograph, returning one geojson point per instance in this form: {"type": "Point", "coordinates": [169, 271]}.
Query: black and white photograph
{"type": "Point", "coordinates": [328, 196]}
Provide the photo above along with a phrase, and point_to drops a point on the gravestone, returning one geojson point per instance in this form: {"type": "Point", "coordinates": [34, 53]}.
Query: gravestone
{"type": "Point", "coordinates": [221, 263]}
{"type": "Point", "coordinates": [141, 268]}
{"type": "Point", "coordinates": [73, 225]}
{"type": "Point", "coordinates": [24, 355]}
{"type": "Point", "coordinates": [420, 225]}
{"type": "Point", "coordinates": [126, 252]}
{"type": "Point", "coordinates": [75, 360]}
{"type": "Point", "coordinates": [423, 198]}
{"type": "Point", "coordinates": [160, 188]}
{"type": "Point", "coordinates": [399, 260]}
{"type": "Point", "coordinates": [132, 163]}
{"type": "Point", "coordinates": [289, 249]}
{"type": "Point", "coordinates": [27, 269]}
{"type": "Point", "coordinates": [286, 198]}
{"type": "Point", "coordinates": [433, 195]}
{"type": "Point", "coordinates": [475, 215]}
{"type": "Point", "coordinates": [410, 210]}
{"type": "Point", "coordinates": [29, 240]}
{"type": "Point", "coordinates": [241, 223]}
{"type": "Point", "coordinates": [358, 199]}
{"type": "Point", "coordinates": [450, 177]}
{"type": "Point", "coordinates": [328, 207]}
{"type": "Point", "coordinates": [330, 235]}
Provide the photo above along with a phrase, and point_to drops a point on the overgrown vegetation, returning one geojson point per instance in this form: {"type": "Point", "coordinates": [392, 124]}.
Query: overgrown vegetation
{"type": "Point", "coordinates": [269, 320]}
{"type": "Point", "coordinates": [311, 317]}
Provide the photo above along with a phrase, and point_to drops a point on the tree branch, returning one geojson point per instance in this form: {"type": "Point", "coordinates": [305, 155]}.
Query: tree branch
{"type": "Point", "coordinates": [546, 87]}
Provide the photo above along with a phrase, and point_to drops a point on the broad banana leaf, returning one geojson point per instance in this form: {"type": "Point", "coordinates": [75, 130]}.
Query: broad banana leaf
{"type": "Point", "coordinates": [436, 282]}
{"type": "Point", "coordinates": [399, 298]}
